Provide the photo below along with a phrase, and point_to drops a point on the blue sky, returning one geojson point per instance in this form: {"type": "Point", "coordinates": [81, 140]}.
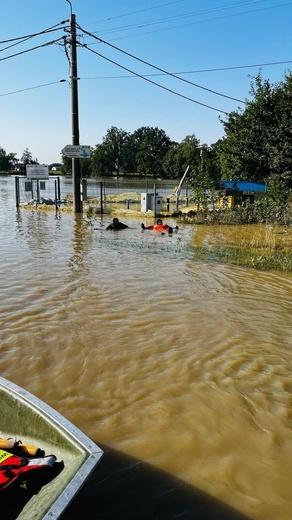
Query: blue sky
{"type": "Point", "coordinates": [219, 45]}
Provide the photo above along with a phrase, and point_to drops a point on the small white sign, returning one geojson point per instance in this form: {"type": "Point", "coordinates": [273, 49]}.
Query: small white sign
{"type": "Point", "coordinates": [37, 171]}
{"type": "Point", "coordinates": [76, 150]}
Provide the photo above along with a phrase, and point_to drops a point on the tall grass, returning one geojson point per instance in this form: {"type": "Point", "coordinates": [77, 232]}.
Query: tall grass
{"type": "Point", "coordinates": [259, 246]}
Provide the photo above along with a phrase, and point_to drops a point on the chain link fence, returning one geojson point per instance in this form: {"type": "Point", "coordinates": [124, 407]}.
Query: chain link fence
{"type": "Point", "coordinates": [58, 191]}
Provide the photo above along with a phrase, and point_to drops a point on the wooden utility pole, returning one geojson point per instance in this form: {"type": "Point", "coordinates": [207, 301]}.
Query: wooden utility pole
{"type": "Point", "coordinates": [76, 175]}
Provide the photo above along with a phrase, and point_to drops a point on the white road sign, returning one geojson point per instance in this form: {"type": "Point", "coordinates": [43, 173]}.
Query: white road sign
{"type": "Point", "coordinates": [37, 171]}
{"type": "Point", "coordinates": [76, 150]}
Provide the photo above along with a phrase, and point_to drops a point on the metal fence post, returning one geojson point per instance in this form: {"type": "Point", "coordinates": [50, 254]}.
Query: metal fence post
{"type": "Point", "coordinates": [59, 189]}
{"type": "Point", "coordinates": [101, 201]}
{"type": "Point", "coordinates": [17, 191]}
{"type": "Point", "coordinates": [56, 196]}
{"type": "Point", "coordinates": [84, 190]}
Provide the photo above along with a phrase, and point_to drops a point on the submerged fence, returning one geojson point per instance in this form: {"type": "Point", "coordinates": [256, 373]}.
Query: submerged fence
{"type": "Point", "coordinates": [59, 191]}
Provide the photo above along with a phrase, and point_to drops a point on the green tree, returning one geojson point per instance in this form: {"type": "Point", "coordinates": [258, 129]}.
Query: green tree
{"type": "Point", "coordinates": [150, 146]}
{"type": "Point", "coordinates": [6, 160]}
{"type": "Point", "coordinates": [26, 157]}
{"type": "Point", "coordinates": [204, 178]}
{"type": "Point", "coordinates": [182, 155]}
{"type": "Point", "coordinates": [173, 162]}
{"type": "Point", "coordinates": [107, 158]}
{"type": "Point", "coordinates": [257, 146]}
{"type": "Point", "coordinates": [190, 153]}
{"type": "Point", "coordinates": [66, 165]}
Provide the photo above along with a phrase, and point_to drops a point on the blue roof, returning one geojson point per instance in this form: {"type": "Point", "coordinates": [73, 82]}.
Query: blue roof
{"type": "Point", "coordinates": [244, 186]}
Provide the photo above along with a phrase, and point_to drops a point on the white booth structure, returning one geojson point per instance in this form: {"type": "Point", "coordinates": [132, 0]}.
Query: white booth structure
{"type": "Point", "coordinates": [148, 202]}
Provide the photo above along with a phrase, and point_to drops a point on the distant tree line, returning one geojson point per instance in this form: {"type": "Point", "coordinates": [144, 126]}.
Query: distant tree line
{"type": "Point", "coordinates": [146, 152]}
{"type": "Point", "coordinates": [256, 147]}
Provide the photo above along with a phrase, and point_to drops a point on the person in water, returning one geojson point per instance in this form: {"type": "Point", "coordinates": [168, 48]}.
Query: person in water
{"type": "Point", "coordinates": [116, 225]}
{"type": "Point", "coordinates": [159, 226]}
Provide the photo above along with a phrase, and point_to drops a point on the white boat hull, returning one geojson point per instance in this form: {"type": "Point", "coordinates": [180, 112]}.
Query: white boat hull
{"type": "Point", "coordinates": [30, 420]}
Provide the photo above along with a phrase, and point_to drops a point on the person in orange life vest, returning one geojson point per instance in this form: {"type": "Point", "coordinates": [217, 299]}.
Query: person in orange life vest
{"type": "Point", "coordinates": [159, 226]}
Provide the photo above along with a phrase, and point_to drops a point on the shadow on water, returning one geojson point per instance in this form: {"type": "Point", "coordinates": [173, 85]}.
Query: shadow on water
{"type": "Point", "coordinates": [122, 487]}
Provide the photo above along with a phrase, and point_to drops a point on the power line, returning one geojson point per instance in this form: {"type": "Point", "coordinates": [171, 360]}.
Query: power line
{"type": "Point", "coordinates": [32, 49]}
{"type": "Point", "coordinates": [193, 13]}
{"type": "Point", "coordinates": [148, 75]}
{"type": "Point", "coordinates": [218, 69]}
{"type": "Point", "coordinates": [161, 74]}
{"type": "Point", "coordinates": [142, 76]}
{"type": "Point", "coordinates": [136, 12]}
{"type": "Point", "coordinates": [32, 88]}
{"type": "Point", "coordinates": [154, 83]}
{"type": "Point", "coordinates": [197, 22]}
{"type": "Point", "coordinates": [237, 67]}
{"type": "Point", "coordinates": [162, 70]}
{"type": "Point", "coordinates": [28, 36]}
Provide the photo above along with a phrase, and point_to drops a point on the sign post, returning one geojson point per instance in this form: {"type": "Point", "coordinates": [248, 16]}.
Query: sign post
{"type": "Point", "coordinates": [76, 151]}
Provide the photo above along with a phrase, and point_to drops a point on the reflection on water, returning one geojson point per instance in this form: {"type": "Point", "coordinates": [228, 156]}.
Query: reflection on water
{"type": "Point", "coordinates": [181, 369]}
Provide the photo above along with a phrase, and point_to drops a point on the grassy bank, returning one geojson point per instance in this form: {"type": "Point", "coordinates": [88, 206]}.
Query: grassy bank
{"type": "Point", "coordinates": [262, 260]}
{"type": "Point", "coordinates": [260, 246]}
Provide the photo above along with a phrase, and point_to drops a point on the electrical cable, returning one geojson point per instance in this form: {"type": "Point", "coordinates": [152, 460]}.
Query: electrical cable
{"type": "Point", "coordinates": [194, 13]}
{"type": "Point", "coordinates": [136, 12]}
{"type": "Point", "coordinates": [162, 70]}
{"type": "Point", "coordinates": [154, 83]}
{"type": "Point", "coordinates": [200, 22]}
{"type": "Point", "coordinates": [26, 37]}
{"type": "Point", "coordinates": [29, 50]}
{"type": "Point", "coordinates": [200, 70]}
{"type": "Point", "coordinates": [148, 75]}
{"type": "Point", "coordinates": [31, 88]}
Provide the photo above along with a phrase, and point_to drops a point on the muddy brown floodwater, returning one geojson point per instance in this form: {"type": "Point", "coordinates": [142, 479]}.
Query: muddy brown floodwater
{"type": "Point", "coordinates": [181, 370]}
